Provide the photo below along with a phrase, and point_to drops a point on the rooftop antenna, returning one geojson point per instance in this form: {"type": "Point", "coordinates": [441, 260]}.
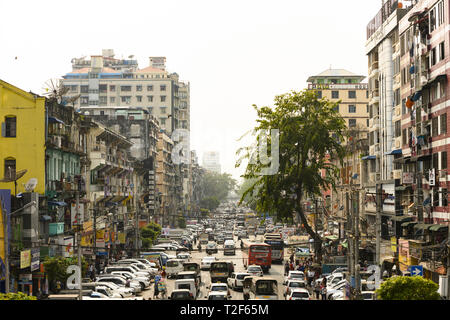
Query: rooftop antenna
{"type": "Point", "coordinates": [12, 176]}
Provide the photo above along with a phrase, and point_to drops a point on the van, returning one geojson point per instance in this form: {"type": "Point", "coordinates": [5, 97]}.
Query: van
{"type": "Point", "coordinates": [173, 267]}
{"type": "Point", "coordinates": [229, 247]}
{"type": "Point", "coordinates": [188, 284]}
{"type": "Point", "coordinates": [155, 257]}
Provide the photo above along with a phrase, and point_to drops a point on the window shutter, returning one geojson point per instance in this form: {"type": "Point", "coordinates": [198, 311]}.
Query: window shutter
{"type": "Point", "coordinates": [3, 129]}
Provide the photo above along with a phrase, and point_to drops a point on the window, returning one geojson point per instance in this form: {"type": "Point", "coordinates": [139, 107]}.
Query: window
{"type": "Point", "coordinates": [443, 119]}
{"type": "Point", "coordinates": [112, 88]}
{"type": "Point", "coordinates": [441, 51]}
{"type": "Point", "coordinates": [440, 14]}
{"type": "Point", "coordinates": [162, 87]}
{"type": "Point", "coordinates": [404, 106]}
{"type": "Point", "coordinates": [444, 198]}
{"type": "Point", "coordinates": [435, 198]}
{"type": "Point", "coordinates": [336, 108]}
{"type": "Point", "coordinates": [163, 110]}
{"type": "Point", "coordinates": [162, 121]}
{"type": "Point", "coordinates": [84, 101]}
{"type": "Point", "coordinates": [150, 98]}
{"type": "Point", "coordinates": [139, 98]}
{"type": "Point", "coordinates": [125, 88]}
{"type": "Point", "coordinates": [10, 168]}
{"type": "Point", "coordinates": [150, 88]}
{"type": "Point", "coordinates": [112, 99]}
{"type": "Point", "coordinates": [84, 89]}
{"type": "Point", "coordinates": [398, 128]}
{"type": "Point", "coordinates": [434, 126]}
{"type": "Point", "coordinates": [150, 110]}
{"type": "Point", "coordinates": [334, 81]}
{"type": "Point", "coordinates": [435, 161]}
{"type": "Point", "coordinates": [335, 94]}
{"type": "Point", "coordinates": [74, 88]}
{"type": "Point", "coordinates": [367, 108]}
{"type": "Point", "coordinates": [9, 127]}
{"type": "Point", "coordinates": [102, 113]}
{"type": "Point", "coordinates": [433, 57]}
{"type": "Point", "coordinates": [396, 65]}
{"type": "Point", "coordinates": [367, 94]}
{"type": "Point", "coordinates": [432, 23]}
{"type": "Point", "coordinates": [402, 45]}
{"type": "Point", "coordinates": [404, 137]}
{"type": "Point", "coordinates": [138, 88]}
{"type": "Point", "coordinates": [319, 94]}
{"type": "Point", "coordinates": [397, 97]}
{"type": "Point", "coordinates": [371, 111]}
{"type": "Point", "coordinates": [444, 160]}
{"type": "Point", "coordinates": [352, 108]}
{"type": "Point", "coordinates": [103, 88]}
{"type": "Point", "coordinates": [352, 94]}
{"type": "Point", "coordinates": [352, 123]}
{"type": "Point", "coordinates": [367, 122]}
{"type": "Point", "coordinates": [126, 99]}
{"type": "Point", "coordinates": [103, 100]}
{"type": "Point", "coordinates": [163, 98]}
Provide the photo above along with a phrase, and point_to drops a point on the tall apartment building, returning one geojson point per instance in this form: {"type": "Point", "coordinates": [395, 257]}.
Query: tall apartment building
{"type": "Point", "coordinates": [104, 80]}
{"type": "Point", "coordinates": [347, 87]}
{"type": "Point", "coordinates": [383, 52]}
{"type": "Point", "coordinates": [211, 161]}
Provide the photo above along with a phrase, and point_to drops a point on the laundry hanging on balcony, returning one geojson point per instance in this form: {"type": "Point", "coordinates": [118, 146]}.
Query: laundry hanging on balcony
{"type": "Point", "coordinates": [412, 69]}
{"type": "Point", "coordinates": [416, 96]}
{"type": "Point", "coordinates": [409, 103]}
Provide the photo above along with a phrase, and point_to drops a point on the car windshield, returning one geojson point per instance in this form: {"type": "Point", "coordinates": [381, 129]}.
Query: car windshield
{"type": "Point", "coordinates": [296, 276]}
{"type": "Point", "coordinates": [184, 286]}
{"type": "Point", "coordinates": [266, 287]}
{"type": "Point", "coordinates": [172, 263]}
{"type": "Point", "coordinates": [297, 294]}
{"type": "Point", "coordinates": [241, 276]}
{"type": "Point", "coordinates": [296, 284]}
{"type": "Point", "coordinates": [218, 266]}
{"type": "Point", "coordinates": [219, 288]}
{"type": "Point", "coordinates": [254, 269]}
{"type": "Point", "coordinates": [217, 297]}
{"type": "Point", "coordinates": [190, 268]}
{"type": "Point", "coordinates": [367, 295]}
{"type": "Point", "coordinates": [180, 295]}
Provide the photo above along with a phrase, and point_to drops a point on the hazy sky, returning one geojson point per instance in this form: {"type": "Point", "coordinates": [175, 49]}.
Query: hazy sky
{"type": "Point", "coordinates": [234, 53]}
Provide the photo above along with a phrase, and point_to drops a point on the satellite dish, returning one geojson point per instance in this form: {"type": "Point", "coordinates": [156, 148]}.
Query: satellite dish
{"type": "Point", "coordinates": [31, 184]}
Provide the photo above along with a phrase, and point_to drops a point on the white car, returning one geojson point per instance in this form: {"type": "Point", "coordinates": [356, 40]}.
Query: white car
{"type": "Point", "coordinates": [255, 270]}
{"type": "Point", "coordinates": [294, 275]}
{"type": "Point", "coordinates": [123, 291]}
{"type": "Point", "coordinates": [108, 292]}
{"type": "Point", "coordinates": [219, 287]}
{"type": "Point", "coordinates": [335, 288]}
{"type": "Point", "coordinates": [236, 281]}
{"type": "Point", "coordinates": [219, 295]}
{"type": "Point", "coordinates": [206, 262]}
{"type": "Point", "coordinates": [145, 282]}
{"type": "Point", "coordinates": [294, 284]}
{"type": "Point", "coordinates": [298, 294]}
{"type": "Point", "coordinates": [185, 257]}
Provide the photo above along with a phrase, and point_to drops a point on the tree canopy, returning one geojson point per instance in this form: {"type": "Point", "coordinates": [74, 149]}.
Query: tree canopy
{"type": "Point", "coordinates": [215, 188]}
{"type": "Point", "coordinates": [149, 233]}
{"type": "Point", "coordinates": [310, 135]}
{"type": "Point", "coordinates": [408, 288]}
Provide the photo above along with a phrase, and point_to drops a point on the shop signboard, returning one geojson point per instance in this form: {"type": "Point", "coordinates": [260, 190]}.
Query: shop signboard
{"type": "Point", "coordinates": [394, 244]}
{"type": "Point", "coordinates": [25, 259]}
{"type": "Point", "coordinates": [407, 177]}
{"type": "Point", "coordinates": [73, 213]}
{"type": "Point", "coordinates": [35, 256]}
{"type": "Point", "coordinates": [67, 247]}
{"type": "Point", "coordinates": [122, 237]}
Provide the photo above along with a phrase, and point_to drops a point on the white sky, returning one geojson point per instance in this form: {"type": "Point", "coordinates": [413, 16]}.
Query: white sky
{"type": "Point", "coordinates": [234, 53]}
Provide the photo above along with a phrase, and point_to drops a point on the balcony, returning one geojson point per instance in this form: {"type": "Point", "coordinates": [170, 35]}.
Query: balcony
{"type": "Point", "coordinates": [374, 96]}
{"type": "Point", "coordinates": [374, 71]}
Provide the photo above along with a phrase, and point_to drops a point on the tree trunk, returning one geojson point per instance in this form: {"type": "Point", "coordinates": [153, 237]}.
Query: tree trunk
{"type": "Point", "coordinates": [314, 235]}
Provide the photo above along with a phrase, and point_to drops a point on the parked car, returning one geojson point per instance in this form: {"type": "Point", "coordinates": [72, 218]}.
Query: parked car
{"type": "Point", "coordinates": [298, 294]}
{"type": "Point", "coordinates": [181, 294]}
{"type": "Point", "coordinates": [219, 295]}
{"type": "Point", "coordinates": [123, 291]}
{"type": "Point", "coordinates": [190, 275]}
{"type": "Point", "coordinates": [144, 282]}
{"type": "Point", "coordinates": [219, 287]}
{"type": "Point", "coordinates": [173, 267]}
{"type": "Point", "coordinates": [368, 295]}
{"type": "Point", "coordinates": [334, 288]}
{"type": "Point", "coordinates": [188, 284]}
{"type": "Point", "coordinates": [120, 281]}
{"type": "Point", "coordinates": [255, 270]}
{"type": "Point", "coordinates": [236, 281]}
{"type": "Point", "coordinates": [185, 257]}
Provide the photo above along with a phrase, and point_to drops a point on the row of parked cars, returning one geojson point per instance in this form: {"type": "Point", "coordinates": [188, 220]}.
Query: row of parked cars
{"type": "Point", "coordinates": [124, 279]}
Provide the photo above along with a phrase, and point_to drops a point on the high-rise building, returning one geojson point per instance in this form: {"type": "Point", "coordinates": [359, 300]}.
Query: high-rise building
{"type": "Point", "coordinates": [211, 161]}
{"type": "Point", "coordinates": [104, 80]}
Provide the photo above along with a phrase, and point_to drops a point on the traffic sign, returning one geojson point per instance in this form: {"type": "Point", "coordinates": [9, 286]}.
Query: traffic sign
{"type": "Point", "coordinates": [416, 270]}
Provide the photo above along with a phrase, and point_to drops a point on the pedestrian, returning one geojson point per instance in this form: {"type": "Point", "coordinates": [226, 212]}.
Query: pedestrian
{"type": "Point", "coordinates": [92, 272]}
{"type": "Point", "coordinates": [323, 288]}
{"type": "Point", "coordinates": [310, 275]}
{"type": "Point", "coordinates": [163, 272]}
{"type": "Point", "coordinates": [291, 258]}
{"type": "Point", "coordinates": [162, 288]}
{"type": "Point", "coordinates": [291, 266]}
{"type": "Point", "coordinates": [156, 292]}
{"type": "Point", "coordinates": [317, 288]}
{"type": "Point", "coordinates": [286, 268]}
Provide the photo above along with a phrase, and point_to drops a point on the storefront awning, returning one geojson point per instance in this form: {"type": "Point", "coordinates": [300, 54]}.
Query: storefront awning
{"type": "Point", "coordinates": [369, 158]}
{"type": "Point", "coordinates": [57, 203]}
{"type": "Point", "coordinates": [401, 218]}
{"type": "Point", "coordinates": [407, 224]}
{"type": "Point", "coordinates": [55, 120]}
{"type": "Point", "coordinates": [438, 227]}
{"type": "Point", "coordinates": [394, 152]}
{"type": "Point", "coordinates": [424, 226]}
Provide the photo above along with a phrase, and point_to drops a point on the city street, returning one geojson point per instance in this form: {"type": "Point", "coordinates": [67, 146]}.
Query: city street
{"type": "Point", "coordinates": [276, 272]}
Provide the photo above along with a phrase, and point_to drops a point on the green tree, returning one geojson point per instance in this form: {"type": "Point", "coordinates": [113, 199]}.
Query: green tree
{"type": "Point", "coordinates": [182, 222]}
{"type": "Point", "coordinates": [149, 233]}
{"type": "Point", "coordinates": [16, 296]}
{"type": "Point", "coordinates": [204, 212]}
{"type": "Point", "coordinates": [310, 130]}
{"type": "Point", "coordinates": [210, 203]}
{"type": "Point", "coordinates": [408, 288]}
{"type": "Point", "coordinates": [56, 267]}
{"type": "Point", "coordinates": [216, 185]}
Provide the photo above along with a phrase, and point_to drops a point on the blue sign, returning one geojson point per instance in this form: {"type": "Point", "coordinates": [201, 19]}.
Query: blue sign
{"type": "Point", "coordinates": [416, 270]}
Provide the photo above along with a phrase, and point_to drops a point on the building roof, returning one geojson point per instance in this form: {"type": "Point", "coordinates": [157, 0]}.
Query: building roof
{"type": "Point", "coordinates": [150, 69]}
{"type": "Point", "coordinates": [336, 73]}
{"type": "Point", "coordinates": [88, 69]}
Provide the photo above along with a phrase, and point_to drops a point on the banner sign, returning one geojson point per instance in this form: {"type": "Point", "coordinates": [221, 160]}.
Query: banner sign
{"type": "Point", "coordinates": [25, 259]}
{"type": "Point", "coordinates": [35, 256]}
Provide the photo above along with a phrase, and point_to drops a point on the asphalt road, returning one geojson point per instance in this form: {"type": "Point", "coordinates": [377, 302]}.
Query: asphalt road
{"type": "Point", "coordinates": [276, 272]}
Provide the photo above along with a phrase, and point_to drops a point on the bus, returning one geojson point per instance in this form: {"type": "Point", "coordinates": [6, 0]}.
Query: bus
{"type": "Point", "coordinates": [277, 245]}
{"type": "Point", "coordinates": [264, 288]}
{"type": "Point", "coordinates": [256, 254]}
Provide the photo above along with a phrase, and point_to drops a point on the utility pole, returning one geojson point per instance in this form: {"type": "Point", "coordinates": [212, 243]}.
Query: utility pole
{"type": "Point", "coordinates": [95, 228]}
{"type": "Point", "coordinates": [6, 246]}
{"type": "Point", "coordinates": [80, 290]}
{"type": "Point", "coordinates": [348, 235]}
{"type": "Point", "coordinates": [137, 233]}
{"type": "Point", "coordinates": [419, 195]}
{"type": "Point", "coordinates": [357, 265]}
{"type": "Point", "coordinates": [379, 204]}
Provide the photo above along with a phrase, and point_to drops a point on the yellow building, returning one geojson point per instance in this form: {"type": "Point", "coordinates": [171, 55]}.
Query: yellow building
{"type": "Point", "coordinates": [22, 140]}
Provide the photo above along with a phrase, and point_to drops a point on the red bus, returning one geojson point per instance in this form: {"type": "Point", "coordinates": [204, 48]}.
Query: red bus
{"type": "Point", "coordinates": [257, 253]}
